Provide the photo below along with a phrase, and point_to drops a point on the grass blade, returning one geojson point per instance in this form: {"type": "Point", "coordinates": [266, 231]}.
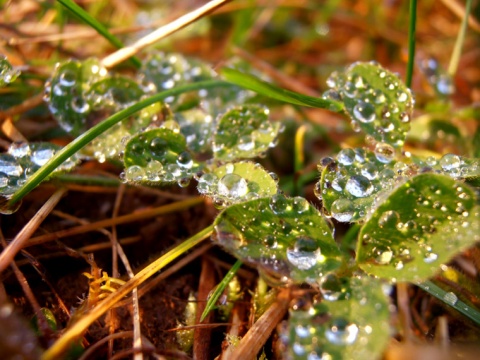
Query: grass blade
{"type": "Point", "coordinates": [100, 128]}
{"type": "Point", "coordinates": [95, 24]}
{"type": "Point", "coordinates": [261, 87]}
{"type": "Point", "coordinates": [457, 50]}
{"type": "Point", "coordinates": [411, 42]}
{"type": "Point", "coordinates": [462, 307]}
{"type": "Point", "coordinates": [219, 289]}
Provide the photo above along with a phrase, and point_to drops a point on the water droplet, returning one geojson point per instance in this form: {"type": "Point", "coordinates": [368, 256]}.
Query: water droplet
{"type": "Point", "coordinates": [185, 160]}
{"type": "Point", "coordinates": [402, 96]}
{"type": "Point", "coordinates": [280, 204]}
{"type": "Point", "coordinates": [331, 287]}
{"type": "Point", "coordinates": [41, 156]}
{"type": "Point", "coordinates": [229, 168]}
{"type": "Point", "coordinates": [342, 332]}
{"type": "Point", "coordinates": [342, 210]}
{"type": "Point", "coordinates": [364, 112]}
{"type": "Point", "coordinates": [384, 255]}
{"type": "Point", "coordinates": [346, 157]}
{"type": "Point", "coordinates": [305, 253]}
{"type": "Point", "coordinates": [67, 78]}
{"type": "Point", "coordinates": [450, 298]}
{"type": "Point", "coordinates": [450, 162]}
{"type": "Point", "coordinates": [389, 219]}
{"type": "Point", "coordinates": [134, 173]}
{"type": "Point", "coordinates": [158, 146]}
{"type": "Point", "coordinates": [359, 186]}
{"type": "Point", "coordinates": [369, 170]}
{"type": "Point", "coordinates": [232, 186]}
{"type": "Point", "coordinates": [430, 257]}
{"type": "Point", "coordinates": [300, 205]}
{"type": "Point", "coordinates": [384, 152]}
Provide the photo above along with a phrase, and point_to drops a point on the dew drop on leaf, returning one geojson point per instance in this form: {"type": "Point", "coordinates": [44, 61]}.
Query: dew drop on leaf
{"type": "Point", "coordinates": [359, 186]}
{"type": "Point", "coordinates": [364, 112]}
{"type": "Point", "coordinates": [450, 298]}
{"type": "Point", "coordinates": [342, 210]}
{"type": "Point", "coordinates": [341, 332]}
{"type": "Point", "coordinates": [233, 186]}
{"type": "Point", "coordinates": [305, 253]}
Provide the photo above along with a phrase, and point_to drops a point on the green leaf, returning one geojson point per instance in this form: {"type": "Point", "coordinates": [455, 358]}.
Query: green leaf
{"type": "Point", "coordinates": [159, 156]}
{"type": "Point", "coordinates": [261, 87]}
{"type": "Point", "coordinates": [7, 73]}
{"type": "Point", "coordinates": [244, 132]}
{"type": "Point", "coordinates": [421, 225]}
{"type": "Point", "coordinates": [66, 93]}
{"type": "Point", "coordinates": [285, 239]}
{"type": "Point", "coordinates": [213, 298]}
{"type": "Point", "coordinates": [117, 92]}
{"type": "Point", "coordinates": [377, 101]}
{"type": "Point", "coordinates": [81, 141]}
{"type": "Point", "coordinates": [169, 70]}
{"type": "Point", "coordinates": [355, 328]}
{"type": "Point", "coordinates": [237, 182]}
{"type": "Point", "coordinates": [111, 144]}
{"type": "Point", "coordinates": [349, 184]}
{"type": "Point", "coordinates": [23, 159]}
{"type": "Point", "coordinates": [197, 126]}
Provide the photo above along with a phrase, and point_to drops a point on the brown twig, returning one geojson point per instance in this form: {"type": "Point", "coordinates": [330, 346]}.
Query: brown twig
{"type": "Point", "coordinates": [258, 334]}
{"type": "Point", "coordinates": [22, 237]}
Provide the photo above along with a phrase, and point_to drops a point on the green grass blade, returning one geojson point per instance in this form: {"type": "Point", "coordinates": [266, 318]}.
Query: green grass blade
{"type": "Point", "coordinates": [462, 307]}
{"type": "Point", "coordinates": [219, 289]}
{"type": "Point", "coordinates": [261, 87]}
{"type": "Point", "coordinates": [95, 24]}
{"type": "Point", "coordinates": [411, 42]}
{"type": "Point", "coordinates": [100, 128]}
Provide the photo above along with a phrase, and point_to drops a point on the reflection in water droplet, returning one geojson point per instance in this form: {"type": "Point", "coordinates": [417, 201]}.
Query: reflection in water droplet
{"type": "Point", "coordinates": [341, 332]}
{"type": "Point", "coordinates": [342, 210]}
{"type": "Point", "coordinates": [450, 162]}
{"type": "Point", "coordinates": [384, 152]}
{"type": "Point", "coordinates": [305, 253]}
{"type": "Point", "coordinates": [41, 156]}
{"type": "Point", "coordinates": [450, 298]}
{"type": "Point", "coordinates": [359, 186]}
{"type": "Point", "coordinates": [389, 219]}
{"type": "Point", "coordinates": [346, 157]}
{"type": "Point", "coordinates": [280, 204]}
{"type": "Point", "coordinates": [232, 186]}
{"type": "Point", "coordinates": [364, 112]}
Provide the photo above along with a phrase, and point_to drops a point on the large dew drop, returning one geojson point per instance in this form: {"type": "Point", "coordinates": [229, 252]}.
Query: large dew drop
{"type": "Point", "coordinates": [232, 186]}
{"type": "Point", "coordinates": [305, 253]}
{"type": "Point", "coordinates": [359, 186]}
{"type": "Point", "coordinates": [364, 112]}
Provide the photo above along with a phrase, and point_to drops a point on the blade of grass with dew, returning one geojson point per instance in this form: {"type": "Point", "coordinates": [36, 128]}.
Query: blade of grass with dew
{"type": "Point", "coordinates": [462, 307]}
{"type": "Point", "coordinates": [76, 330]}
{"type": "Point", "coordinates": [95, 24]}
{"type": "Point", "coordinates": [411, 42]}
{"type": "Point", "coordinates": [100, 128]}
{"type": "Point", "coordinates": [219, 289]}
{"type": "Point", "coordinates": [457, 50]}
{"type": "Point", "coordinates": [261, 87]}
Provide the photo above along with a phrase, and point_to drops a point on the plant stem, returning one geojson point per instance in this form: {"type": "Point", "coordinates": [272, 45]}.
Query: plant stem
{"type": "Point", "coordinates": [99, 129]}
{"type": "Point", "coordinates": [462, 307]}
{"type": "Point", "coordinates": [411, 41]}
{"type": "Point", "coordinates": [76, 330]}
{"type": "Point", "coordinates": [95, 24]}
{"type": "Point", "coordinates": [457, 50]}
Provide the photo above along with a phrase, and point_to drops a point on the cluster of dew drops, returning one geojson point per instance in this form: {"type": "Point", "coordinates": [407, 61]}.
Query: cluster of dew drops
{"type": "Point", "coordinates": [387, 111]}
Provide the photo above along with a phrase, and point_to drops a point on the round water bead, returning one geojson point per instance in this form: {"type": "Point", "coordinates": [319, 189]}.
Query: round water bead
{"type": "Point", "coordinates": [342, 210]}
{"type": "Point", "coordinates": [359, 186]}
{"type": "Point", "coordinates": [305, 253]}
{"type": "Point", "coordinates": [342, 332]}
{"type": "Point", "coordinates": [232, 186]}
